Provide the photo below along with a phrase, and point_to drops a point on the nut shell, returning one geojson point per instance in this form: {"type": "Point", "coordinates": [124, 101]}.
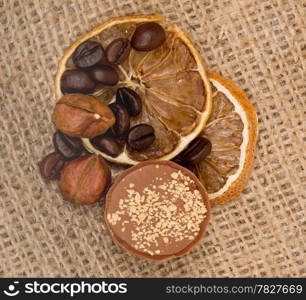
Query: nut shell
{"type": "Point", "coordinates": [84, 180]}
{"type": "Point", "coordinates": [82, 116]}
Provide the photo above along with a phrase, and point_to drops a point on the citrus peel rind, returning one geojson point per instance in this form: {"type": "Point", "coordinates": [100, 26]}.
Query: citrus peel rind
{"type": "Point", "coordinates": [234, 181]}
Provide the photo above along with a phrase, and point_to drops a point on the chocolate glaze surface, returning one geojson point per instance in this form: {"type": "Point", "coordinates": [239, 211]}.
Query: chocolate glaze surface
{"type": "Point", "coordinates": [157, 210]}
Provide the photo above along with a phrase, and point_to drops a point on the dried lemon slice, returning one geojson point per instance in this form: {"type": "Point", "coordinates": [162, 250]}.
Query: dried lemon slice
{"type": "Point", "coordinates": [232, 130]}
{"type": "Point", "coordinates": [171, 80]}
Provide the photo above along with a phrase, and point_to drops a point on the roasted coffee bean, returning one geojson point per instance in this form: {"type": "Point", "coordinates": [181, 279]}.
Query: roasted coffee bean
{"type": "Point", "coordinates": [122, 124]}
{"type": "Point", "coordinates": [117, 51]}
{"type": "Point", "coordinates": [77, 81]}
{"type": "Point", "coordinates": [68, 147]}
{"type": "Point", "coordinates": [51, 166]}
{"type": "Point", "coordinates": [105, 75]}
{"type": "Point", "coordinates": [88, 54]}
{"type": "Point", "coordinates": [148, 36]}
{"type": "Point", "coordinates": [107, 144]}
{"type": "Point", "coordinates": [196, 151]}
{"type": "Point", "coordinates": [141, 137]}
{"type": "Point", "coordinates": [130, 99]}
{"type": "Point", "coordinates": [182, 163]}
{"type": "Point", "coordinates": [121, 140]}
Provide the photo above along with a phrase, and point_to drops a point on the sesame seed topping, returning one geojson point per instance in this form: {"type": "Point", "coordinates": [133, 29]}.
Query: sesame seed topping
{"type": "Point", "coordinates": [174, 175]}
{"type": "Point", "coordinates": [161, 214]}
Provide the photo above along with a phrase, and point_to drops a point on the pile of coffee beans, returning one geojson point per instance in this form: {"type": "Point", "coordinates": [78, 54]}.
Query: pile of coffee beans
{"type": "Point", "coordinates": [139, 137]}
{"type": "Point", "coordinates": [96, 66]}
{"type": "Point", "coordinates": [93, 67]}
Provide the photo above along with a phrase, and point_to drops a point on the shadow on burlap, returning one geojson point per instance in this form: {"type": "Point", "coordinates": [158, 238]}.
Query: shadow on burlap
{"type": "Point", "coordinates": [258, 43]}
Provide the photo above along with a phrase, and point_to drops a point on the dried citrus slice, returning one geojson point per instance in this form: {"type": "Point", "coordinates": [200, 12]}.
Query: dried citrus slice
{"type": "Point", "coordinates": [232, 130]}
{"type": "Point", "coordinates": [171, 80]}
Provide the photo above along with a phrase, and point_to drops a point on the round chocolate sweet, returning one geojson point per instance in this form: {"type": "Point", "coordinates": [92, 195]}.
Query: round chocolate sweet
{"type": "Point", "coordinates": [157, 210]}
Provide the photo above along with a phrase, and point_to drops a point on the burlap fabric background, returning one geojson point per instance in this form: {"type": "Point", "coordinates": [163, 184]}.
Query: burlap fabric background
{"type": "Point", "coordinates": [258, 43]}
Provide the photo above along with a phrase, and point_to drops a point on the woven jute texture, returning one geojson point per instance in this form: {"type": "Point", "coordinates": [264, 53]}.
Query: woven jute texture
{"type": "Point", "coordinates": [260, 44]}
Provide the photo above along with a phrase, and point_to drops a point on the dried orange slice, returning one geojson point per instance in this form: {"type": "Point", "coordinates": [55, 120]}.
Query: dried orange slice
{"type": "Point", "coordinates": [232, 130]}
{"type": "Point", "coordinates": [171, 80]}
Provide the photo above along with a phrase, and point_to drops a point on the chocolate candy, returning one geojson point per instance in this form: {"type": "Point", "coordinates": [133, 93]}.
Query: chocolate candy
{"type": "Point", "coordinates": [157, 210]}
{"type": "Point", "coordinates": [117, 51]}
{"type": "Point", "coordinates": [51, 166]}
{"type": "Point", "coordinates": [148, 36]}
{"type": "Point", "coordinates": [77, 81]}
{"type": "Point", "coordinates": [140, 137]}
{"type": "Point", "coordinates": [130, 99]}
{"type": "Point", "coordinates": [88, 54]}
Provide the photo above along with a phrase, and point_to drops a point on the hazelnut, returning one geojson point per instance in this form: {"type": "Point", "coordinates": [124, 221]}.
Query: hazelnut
{"type": "Point", "coordinates": [84, 116]}
{"type": "Point", "coordinates": [85, 180]}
